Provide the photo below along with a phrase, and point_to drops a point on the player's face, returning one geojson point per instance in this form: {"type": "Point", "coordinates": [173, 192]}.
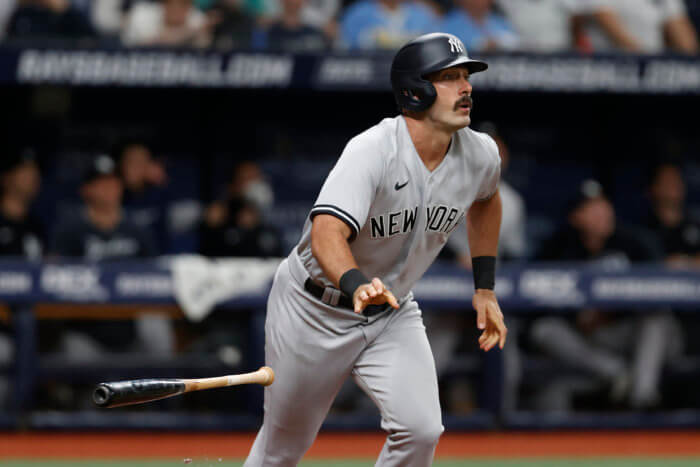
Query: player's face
{"type": "Point", "coordinates": [452, 108]}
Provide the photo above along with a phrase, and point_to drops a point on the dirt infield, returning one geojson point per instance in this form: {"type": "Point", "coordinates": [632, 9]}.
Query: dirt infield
{"type": "Point", "coordinates": [350, 445]}
{"type": "Point", "coordinates": [481, 462]}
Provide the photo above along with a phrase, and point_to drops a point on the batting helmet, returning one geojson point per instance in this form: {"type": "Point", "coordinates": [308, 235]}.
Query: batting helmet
{"type": "Point", "coordinates": [421, 56]}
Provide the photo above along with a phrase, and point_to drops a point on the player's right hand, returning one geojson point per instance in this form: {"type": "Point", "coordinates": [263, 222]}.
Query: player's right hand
{"type": "Point", "coordinates": [373, 293]}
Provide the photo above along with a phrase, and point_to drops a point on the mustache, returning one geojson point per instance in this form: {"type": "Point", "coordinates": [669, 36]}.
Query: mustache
{"type": "Point", "coordinates": [464, 100]}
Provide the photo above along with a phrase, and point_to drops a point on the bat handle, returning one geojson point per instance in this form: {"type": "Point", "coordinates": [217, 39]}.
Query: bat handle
{"type": "Point", "coordinates": [265, 376]}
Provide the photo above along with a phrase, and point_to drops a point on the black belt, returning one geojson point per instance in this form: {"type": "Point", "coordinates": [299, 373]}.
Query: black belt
{"type": "Point", "coordinates": [335, 297]}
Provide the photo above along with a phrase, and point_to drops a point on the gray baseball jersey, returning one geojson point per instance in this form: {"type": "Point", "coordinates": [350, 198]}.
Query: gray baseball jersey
{"type": "Point", "coordinates": [400, 213]}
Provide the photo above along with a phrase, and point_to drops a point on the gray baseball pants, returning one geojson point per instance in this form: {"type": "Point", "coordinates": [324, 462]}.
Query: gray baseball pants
{"type": "Point", "coordinates": [313, 348]}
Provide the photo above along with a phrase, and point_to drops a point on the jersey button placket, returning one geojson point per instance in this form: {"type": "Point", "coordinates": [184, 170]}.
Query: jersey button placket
{"type": "Point", "coordinates": [428, 191]}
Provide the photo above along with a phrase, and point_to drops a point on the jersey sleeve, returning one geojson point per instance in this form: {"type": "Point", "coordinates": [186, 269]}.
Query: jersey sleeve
{"type": "Point", "coordinates": [580, 7]}
{"type": "Point", "coordinates": [351, 186]}
{"type": "Point", "coordinates": [492, 171]}
{"type": "Point", "coordinates": [671, 9]}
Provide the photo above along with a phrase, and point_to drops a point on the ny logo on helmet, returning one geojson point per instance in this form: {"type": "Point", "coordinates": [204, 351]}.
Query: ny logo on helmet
{"type": "Point", "coordinates": [456, 45]}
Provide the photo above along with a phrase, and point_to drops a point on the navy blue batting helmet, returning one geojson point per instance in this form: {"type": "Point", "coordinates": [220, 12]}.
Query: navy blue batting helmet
{"type": "Point", "coordinates": [421, 56]}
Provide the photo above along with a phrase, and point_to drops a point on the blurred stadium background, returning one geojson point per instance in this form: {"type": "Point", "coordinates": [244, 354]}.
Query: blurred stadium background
{"type": "Point", "coordinates": [159, 156]}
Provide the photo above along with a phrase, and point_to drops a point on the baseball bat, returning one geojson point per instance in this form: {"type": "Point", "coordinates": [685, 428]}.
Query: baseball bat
{"type": "Point", "coordinates": [138, 391]}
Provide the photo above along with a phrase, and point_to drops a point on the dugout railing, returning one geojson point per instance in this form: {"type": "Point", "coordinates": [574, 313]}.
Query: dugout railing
{"type": "Point", "coordinates": [32, 291]}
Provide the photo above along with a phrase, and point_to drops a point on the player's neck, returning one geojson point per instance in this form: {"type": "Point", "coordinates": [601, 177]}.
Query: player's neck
{"type": "Point", "coordinates": [431, 144]}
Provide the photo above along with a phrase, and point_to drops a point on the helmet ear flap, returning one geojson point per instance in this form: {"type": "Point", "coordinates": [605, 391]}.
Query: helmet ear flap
{"type": "Point", "coordinates": [417, 95]}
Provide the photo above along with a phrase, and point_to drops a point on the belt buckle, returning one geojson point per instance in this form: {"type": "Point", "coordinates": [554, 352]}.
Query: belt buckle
{"type": "Point", "coordinates": [331, 296]}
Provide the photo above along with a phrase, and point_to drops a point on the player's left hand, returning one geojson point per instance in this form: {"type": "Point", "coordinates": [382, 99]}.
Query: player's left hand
{"type": "Point", "coordinates": [489, 318]}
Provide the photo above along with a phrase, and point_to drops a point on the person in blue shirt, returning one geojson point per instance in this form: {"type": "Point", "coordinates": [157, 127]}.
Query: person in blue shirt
{"type": "Point", "coordinates": [385, 24]}
{"type": "Point", "coordinates": [479, 27]}
{"type": "Point", "coordinates": [145, 199]}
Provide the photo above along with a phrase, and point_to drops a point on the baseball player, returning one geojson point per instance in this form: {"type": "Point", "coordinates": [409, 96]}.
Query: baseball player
{"type": "Point", "coordinates": [341, 303]}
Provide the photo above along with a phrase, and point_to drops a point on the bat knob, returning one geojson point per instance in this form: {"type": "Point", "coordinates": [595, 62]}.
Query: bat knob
{"type": "Point", "coordinates": [102, 395]}
{"type": "Point", "coordinates": [270, 375]}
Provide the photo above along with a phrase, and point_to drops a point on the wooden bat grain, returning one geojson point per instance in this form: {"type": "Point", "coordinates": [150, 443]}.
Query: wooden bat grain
{"type": "Point", "coordinates": [264, 376]}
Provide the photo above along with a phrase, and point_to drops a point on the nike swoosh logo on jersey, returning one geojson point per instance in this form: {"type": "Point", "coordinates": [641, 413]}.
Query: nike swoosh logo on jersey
{"type": "Point", "coordinates": [397, 187]}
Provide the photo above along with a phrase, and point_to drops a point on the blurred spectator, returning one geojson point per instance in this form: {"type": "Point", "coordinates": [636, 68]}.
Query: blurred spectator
{"type": "Point", "coordinates": [288, 33]}
{"type": "Point", "coordinates": [678, 234]}
{"type": "Point", "coordinates": [21, 234]}
{"type": "Point", "coordinates": [512, 243]}
{"type": "Point", "coordinates": [261, 8]}
{"type": "Point", "coordinates": [385, 24]}
{"type": "Point", "coordinates": [241, 233]}
{"type": "Point", "coordinates": [314, 12]}
{"type": "Point", "coordinates": [546, 25]}
{"type": "Point", "coordinates": [7, 357]}
{"type": "Point", "coordinates": [168, 23]}
{"type": "Point", "coordinates": [234, 28]}
{"type": "Point", "coordinates": [6, 9]}
{"type": "Point", "coordinates": [48, 19]}
{"type": "Point", "coordinates": [108, 16]}
{"type": "Point", "coordinates": [145, 199]}
{"type": "Point", "coordinates": [101, 232]}
{"type": "Point", "coordinates": [642, 26]}
{"type": "Point", "coordinates": [448, 332]}
{"type": "Point", "coordinates": [475, 22]}
{"type": "Point", "coordinates": [249, 183]}
{"type": "Point", "coordinates": [592, 234]}
{"type": "Point", "coordinates": [625, 353]}
{"type": "Point", "coordinates": [319, 14]}
{"type": "Point", "coordinates": [235, 226]}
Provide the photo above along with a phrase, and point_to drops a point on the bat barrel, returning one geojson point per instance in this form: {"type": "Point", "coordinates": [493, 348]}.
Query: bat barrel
{"type": "Point", "coordinates": [136, 391]}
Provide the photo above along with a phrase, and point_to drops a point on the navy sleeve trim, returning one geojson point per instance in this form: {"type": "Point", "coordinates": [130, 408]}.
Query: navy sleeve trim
{"type": "Point", "coordinates": [340, 214]}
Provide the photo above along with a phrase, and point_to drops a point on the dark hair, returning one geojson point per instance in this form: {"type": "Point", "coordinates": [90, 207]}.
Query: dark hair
{"type": "Point", "coordinates": [15, 157]}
